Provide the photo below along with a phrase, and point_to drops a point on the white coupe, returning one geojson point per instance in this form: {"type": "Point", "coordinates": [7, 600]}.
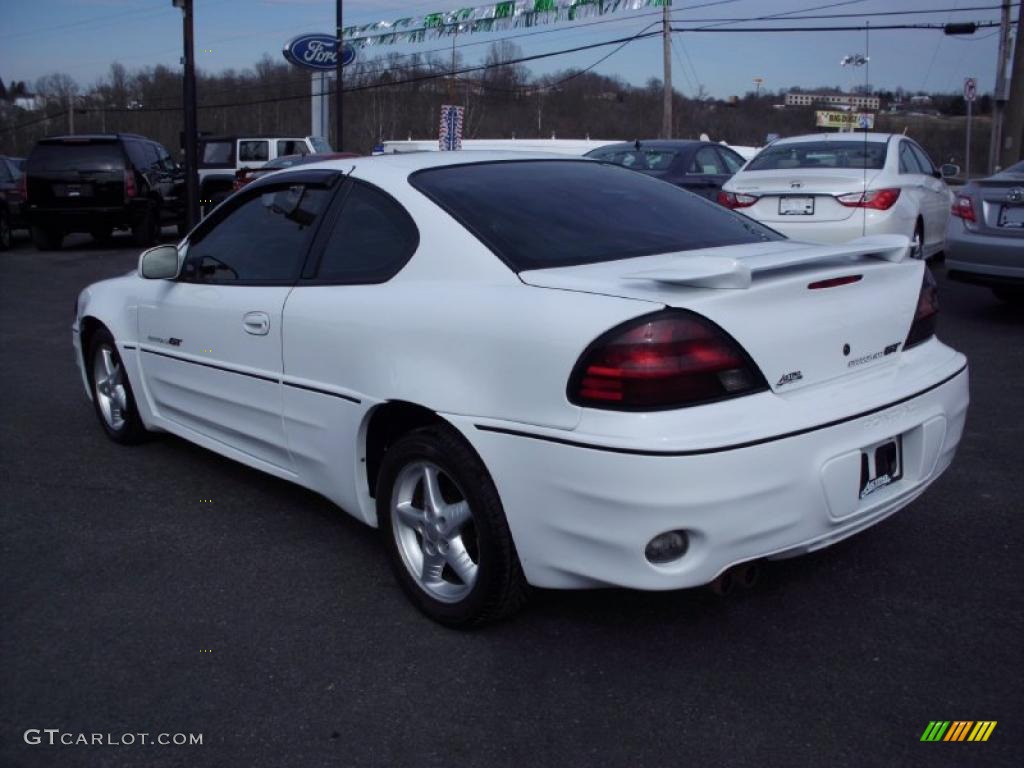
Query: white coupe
{"type": "Point", "coordinates": [835, 187]}
{"type": "Point", "coordinates": [535, 370]}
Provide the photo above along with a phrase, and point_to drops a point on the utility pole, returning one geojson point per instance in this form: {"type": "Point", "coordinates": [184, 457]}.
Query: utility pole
{"type": "Point", "coordinates": [71, 113]}
{"type": "Point", "coordinates": [1013, 124]}
{"type": "Point", "coordinates": [339, 120]}
{"type": "Point", "coordinates": [666, 52]}
{"type": "Point", "coordinates": [189, 104]}
{"type": "Point", "coordinates": [999, 100]}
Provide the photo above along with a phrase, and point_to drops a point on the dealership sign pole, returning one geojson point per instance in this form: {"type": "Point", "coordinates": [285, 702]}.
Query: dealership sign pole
{"type": "Point", "coordinates": [970, 94]}
{"type": "Point", "coordinates": [319, 54]}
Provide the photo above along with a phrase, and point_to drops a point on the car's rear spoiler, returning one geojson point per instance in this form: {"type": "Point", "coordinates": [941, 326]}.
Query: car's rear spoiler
{"type": "Point", "coordinates": [711, 269]}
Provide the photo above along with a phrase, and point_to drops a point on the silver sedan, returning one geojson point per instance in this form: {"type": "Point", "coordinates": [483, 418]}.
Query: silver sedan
{"type": "Point", "coordinates": [985, 234]}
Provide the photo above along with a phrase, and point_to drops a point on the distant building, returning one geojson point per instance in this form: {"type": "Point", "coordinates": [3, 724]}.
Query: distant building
{"type": "Point", "coordinates": [920, 100]}
{"type": "Point", "coordinates": [28, 102]}
{"type": "Point", "coordinates": [832, 100]}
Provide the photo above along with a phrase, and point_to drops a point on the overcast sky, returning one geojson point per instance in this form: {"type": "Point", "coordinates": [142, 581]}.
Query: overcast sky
{"type": "Point", "coordinates": [83, 37]}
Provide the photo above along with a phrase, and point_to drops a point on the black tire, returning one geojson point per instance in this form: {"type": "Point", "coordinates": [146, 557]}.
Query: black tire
{"type": "Point", "coordinates": [500, 588]}
{"type": "Point", "coordinates": [47, 238]}
{"type": "Point", "coordinates": [146, 228]}
{"type": "Point", "coordinates": [131, 431]}
{"type": "Point", "coordinates": [1010, 295]}
{"type": "Point", "coordinates": [6, 233]}
{"type": "Point", "coordinates": [919, 236]}
{"type": "Point", "coordinates": [102, 233]}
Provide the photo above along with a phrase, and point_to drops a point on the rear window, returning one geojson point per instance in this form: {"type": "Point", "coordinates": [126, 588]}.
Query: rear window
{"type": "Point", "coordinates": [557, 213]}
{"type": "Point", "coordinates": [76, 156]}
{"type": "Point", "coordinates": [638, 159]}
{"type": "Point", "coordinates": [821, 154]}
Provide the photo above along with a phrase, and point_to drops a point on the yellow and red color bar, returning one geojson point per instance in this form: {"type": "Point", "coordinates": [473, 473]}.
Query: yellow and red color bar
{"type": "Point", "coordinates": [958, 730]}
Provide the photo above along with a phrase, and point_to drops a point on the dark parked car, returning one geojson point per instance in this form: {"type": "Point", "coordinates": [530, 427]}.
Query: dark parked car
{"type": "Point", "coordinates": [11, 196]}
{"type": "Point", "coordinates": [698, 166]}
{"type": "Point", "coordinates": [98, 183]}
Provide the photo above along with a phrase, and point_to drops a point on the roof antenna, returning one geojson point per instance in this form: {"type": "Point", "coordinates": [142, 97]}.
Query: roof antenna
{"type": "Point", "coordinates": [636, 144]}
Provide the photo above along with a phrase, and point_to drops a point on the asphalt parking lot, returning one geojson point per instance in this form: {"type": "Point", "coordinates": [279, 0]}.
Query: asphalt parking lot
{"type": "Point", "coordinates": [268, 620]}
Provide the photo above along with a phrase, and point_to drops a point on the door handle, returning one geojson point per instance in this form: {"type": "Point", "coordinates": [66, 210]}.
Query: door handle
{"type": "Point", "coordinates": [256, 323]}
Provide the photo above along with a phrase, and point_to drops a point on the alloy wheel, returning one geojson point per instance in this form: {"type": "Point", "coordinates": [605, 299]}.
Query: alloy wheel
{"type": "Point", "coordinates": [109, 386]}
{"type": "Point", "coordinates": [434, 530]}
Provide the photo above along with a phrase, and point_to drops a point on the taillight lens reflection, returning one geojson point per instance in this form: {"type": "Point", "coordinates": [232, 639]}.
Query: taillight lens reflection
{"type": "Point", "coordinates": [927, 313]}
{"type": "Point", "coordinates": [963, 208]}
{"type": "Point", "coordinates": [735, 199]}
{"type": "Point", "coordinates": [670, 359]}
{"type": "Point", "coordinates": [874, 199]}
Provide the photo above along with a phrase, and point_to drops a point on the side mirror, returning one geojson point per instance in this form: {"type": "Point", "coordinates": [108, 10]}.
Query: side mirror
{"type": "Point", "coordinates": [949, 170]}
{"type": "Point", "coordinates": [159, 263]}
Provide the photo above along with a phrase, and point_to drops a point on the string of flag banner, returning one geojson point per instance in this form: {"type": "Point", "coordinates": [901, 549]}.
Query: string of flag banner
{"type": "Point", "coordinates": [493, 17]}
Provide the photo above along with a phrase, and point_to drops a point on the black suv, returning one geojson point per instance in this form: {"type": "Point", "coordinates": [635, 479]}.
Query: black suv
{"type": "Point", "coordinates": [98, 183]}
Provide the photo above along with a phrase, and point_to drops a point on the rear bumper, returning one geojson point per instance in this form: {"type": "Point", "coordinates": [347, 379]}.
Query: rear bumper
{"type": "Point", "coordinates": [84, 218]}
{"type": "Point", "coordinates": [983, 259]}
{"type": "Point", "coordinates": [836, 232]}
{"type": "Point", "coordinates": [581, 516]}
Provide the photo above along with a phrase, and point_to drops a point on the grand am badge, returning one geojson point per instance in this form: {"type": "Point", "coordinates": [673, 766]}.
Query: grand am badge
{"type": "Point", "coordinates": [789, 378]}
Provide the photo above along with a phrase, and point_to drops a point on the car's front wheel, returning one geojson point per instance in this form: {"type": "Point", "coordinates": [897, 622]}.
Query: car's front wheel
{"type": "Point", "coordinates": [445, 530]}
{"type": "Point", "coordinates": [47, 238]}
{"type": "Point", "coordinates": [111, 391]}
{"type": "Point", "coordinates": [6, 234]}
{"type": "Point", "coordinates": [1009, 295]}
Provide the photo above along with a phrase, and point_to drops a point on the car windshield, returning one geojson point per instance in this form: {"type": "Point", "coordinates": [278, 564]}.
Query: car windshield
{"type": "Point", "coordinates": [820, 154]}
{"type": "Point", "coordinates": [637, 159]}
{"type": "Point", "coordinates": [77, 156]}
{"type": "Point", "coordinates": [556, 213]}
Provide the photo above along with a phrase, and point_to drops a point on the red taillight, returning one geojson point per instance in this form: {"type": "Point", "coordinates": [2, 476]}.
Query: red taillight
{"type": "Point", "coordinates": [927, 313]}
{"type": "Point", "coordinates": [735, 199]}
{"type": "Point", "coordinates": [130, 190]}
{"type": "Point", "coordinates": [963, 207]}
{"type": "Point", "coordinates": [875, 199]}
{"type": "Point", "coordinates": [241, 179]}
{"type": "Point", "coordinates": [669, 359]}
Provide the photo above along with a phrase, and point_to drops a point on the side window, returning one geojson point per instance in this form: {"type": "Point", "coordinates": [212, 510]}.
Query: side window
{"type": "Point", "coordinates": [707, 161]}
{"type": "Point", "coordinates": [137, 154]}
{"type": "Point", "coordinates": [152, 156]}
{"type": "Point", "coordinates": [166, 161]}
{"type": "Point", "coordinates": [733, 162]}
{"type": "Point", "coordinates": [291, 147]}
{"type": "Point", "coordinates": [263, 240]}
{"type": "Point", "coordinates": [908, 163]}
{"type": "Point", "coordinates": [923, 160]}
{"type": "Point", "coordinates": [371, 240]}
{"type": "Point", "coordinates": [217, 153]}
{"type": "Point", "coordinates": [253, 151]}
{"type": "Point", "coordinates": [5, 175]}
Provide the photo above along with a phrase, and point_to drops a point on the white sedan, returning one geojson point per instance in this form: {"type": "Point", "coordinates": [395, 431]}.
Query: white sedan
{"type": "Point", "coordinates": [834, 187]}
{"type": "Point", "coordinates": [534, 370]}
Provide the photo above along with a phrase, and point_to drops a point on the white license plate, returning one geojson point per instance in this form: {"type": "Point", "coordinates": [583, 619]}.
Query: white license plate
{"type": "Point", "coordinates": [881, 465]}
{"type": "Point", "coordinates": [796, 206]}
{"type": "Point", "coordinates": [1012, 216]}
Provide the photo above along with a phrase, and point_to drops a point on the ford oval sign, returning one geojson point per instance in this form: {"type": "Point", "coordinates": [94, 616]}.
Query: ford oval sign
{"type": "Point", "coordinates": [318, 52]}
